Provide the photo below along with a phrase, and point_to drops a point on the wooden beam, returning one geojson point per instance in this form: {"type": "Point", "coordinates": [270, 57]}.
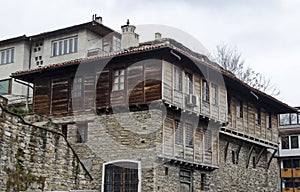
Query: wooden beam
{"type": "Point", "coordinates": [226, 151]}
{"type": "Point", "coordinates": [249, 156]}
{"type": "Point", "coordinates": [270, 160]}
{"type": "Point", "coordinates": [238, 153]}
{"type": "Point", "coordinates": [259, 155]}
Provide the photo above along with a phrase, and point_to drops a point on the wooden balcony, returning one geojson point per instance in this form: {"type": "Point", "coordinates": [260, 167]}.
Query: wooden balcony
{"type": "Point", "coordinates": [286, 172]}
{"type": "Point", "coordinates": [287, 190]}
{"type": "Point", "coordinates": [297, 189]}
{"type": "Point", "coordinates": [296, 172]}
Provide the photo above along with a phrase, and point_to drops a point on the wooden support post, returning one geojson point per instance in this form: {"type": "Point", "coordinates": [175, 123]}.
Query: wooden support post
{"type": "Point", "coordinates": [249, 156]}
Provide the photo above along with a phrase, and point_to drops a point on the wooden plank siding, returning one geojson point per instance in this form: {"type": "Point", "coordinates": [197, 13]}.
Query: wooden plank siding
{"type": "Point", "coordinates": [197, 152]}
{"type": "Point", "coordinates": [247, 123]}
{"type": "Point", "coordinates": [42, 96]}
{"type": "Point", "coordinates": [53, 93]}
{"type": "Point", "coordinates": [177, 98]}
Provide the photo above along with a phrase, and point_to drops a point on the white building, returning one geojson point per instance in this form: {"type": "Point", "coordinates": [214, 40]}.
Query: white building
{"type": "Point", "coordinates": [65, 44]}
{"type": "Point", "coordinates": [289, 151]}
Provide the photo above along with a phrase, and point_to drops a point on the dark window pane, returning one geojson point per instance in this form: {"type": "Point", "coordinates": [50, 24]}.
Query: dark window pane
{"type": "Point", "coordinates": [294, 142]}
{"type": "Point", "coordinates": [65, 46]}
{"type": "Point", "coordinates": [285, 142]}
{"type": "Point", "coordinates": [54, 49]}
{"type": "Point", "coordinates": [75, 44]}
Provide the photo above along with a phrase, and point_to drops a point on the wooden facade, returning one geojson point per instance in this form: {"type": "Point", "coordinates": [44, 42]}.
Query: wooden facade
{"type": "Point", "coordinates": [200, 101]}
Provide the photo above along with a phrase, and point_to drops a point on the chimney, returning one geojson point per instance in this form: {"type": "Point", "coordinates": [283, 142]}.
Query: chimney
{"type": "Point", "coordinates": [97, 19]}
{"type": "Point", "coordinates": [129, 37]}
{"type": "Point", "coordinates": [157, 36]}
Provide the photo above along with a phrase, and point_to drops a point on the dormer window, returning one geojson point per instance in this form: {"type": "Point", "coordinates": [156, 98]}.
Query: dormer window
{"type": "Point", "coordinates": [65, 46]}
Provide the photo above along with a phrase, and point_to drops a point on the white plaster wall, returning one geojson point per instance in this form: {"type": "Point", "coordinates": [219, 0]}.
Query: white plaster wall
{"type": "Point", "coordinates": [21, 61]}
{"type": "Point", "coordinates": [86, 40]}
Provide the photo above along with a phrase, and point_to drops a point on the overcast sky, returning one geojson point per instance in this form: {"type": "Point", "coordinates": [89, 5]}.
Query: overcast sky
{"type": "Point", "coordinates": [265, 32]}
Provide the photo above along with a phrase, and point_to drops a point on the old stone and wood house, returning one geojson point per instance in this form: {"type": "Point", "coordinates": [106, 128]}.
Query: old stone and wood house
{"type": "Point", "coordinates": [159, 117]}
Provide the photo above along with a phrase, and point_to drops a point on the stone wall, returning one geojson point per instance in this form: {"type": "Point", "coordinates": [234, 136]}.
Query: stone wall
{"type": "Point", "coordinates": [130, 136]}
{"type": "Point", "coordinates": [237, 176]}
{"type": "Point", "coordinates": [34, 158]}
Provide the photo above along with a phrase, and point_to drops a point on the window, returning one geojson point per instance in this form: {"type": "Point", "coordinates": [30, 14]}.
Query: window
{"type": "Point", "coordinates": [177, 79]}
{"type": "Point", "coordinates": [77, 87]}
{"type": "Point", "coordinates": [178, 133]}
{"type": "Point", "coordinates": [64, 46]}
{"type": "Point", "coordinates": [294, 142]}
{"type": "Point", "coordinates": [257, 116]}
{"type": "Point", "coordinates": [189, 135]}
{"type": "Point", "coordinates": [285, 143]}
{"type": "Point", "coordinates": [119, 76]}
{"type": "Point", "coordinates": [293, 118]}
{"type": "Point", "coordinates": [5, 86]}
{"type": "Point", "coordinates": [268, 120]}
{"type": "Point", "coordinates": [214, 94]}
{"type": "Point", "coordinates": [239, 108]}
{"type": "Point", "coordinates": [289, 119]}
{"type": "Point", "coordinates": [188, 83]}
{"type": "Point", "coordinates": [205, 91]}
{"type": "Point", "coordinates": [207, 140]}
{"type": "Point", "coordinates": [185, 180]}
{"type": "Point", "coordinates": [82, 133]}
{"type": "Point", "coordinates": [121, 177]}
{"type": "Point", "coordinates": [7, 56]}
{"type": "Point", "coordinates": [284, 119]}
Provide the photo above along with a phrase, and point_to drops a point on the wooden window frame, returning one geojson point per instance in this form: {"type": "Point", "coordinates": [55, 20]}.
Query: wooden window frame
{"type": "Point", "coordinates": [205, 91]}
{"type": "Point", "coordinates": [120, 74]}
{"type": "Point", "coordinates": [177, 79]}
{"type": "Point", "coordinates": [239, 108]}
{"type": "Point", "coordinates": [188, 79]}
{"type": "Point", "coordinates": [136, 169]}
{"type": "Point", "coordinates": [214, 94]}
{"type": "Point", "coordinates": [257, 116]}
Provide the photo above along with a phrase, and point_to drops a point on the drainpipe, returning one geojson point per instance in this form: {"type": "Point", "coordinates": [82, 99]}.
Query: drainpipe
{"type": "Point", "coordinates": [29, 67]}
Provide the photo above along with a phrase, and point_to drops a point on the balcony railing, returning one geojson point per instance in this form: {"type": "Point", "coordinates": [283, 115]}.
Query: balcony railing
{"type": "Point", "coordinates": [290, 189]}
{"type": "Point", "coordinates": [286, 172]}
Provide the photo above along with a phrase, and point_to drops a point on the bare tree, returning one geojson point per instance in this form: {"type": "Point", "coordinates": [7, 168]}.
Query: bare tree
{"type": "Point", "coordinates": [231, 60]}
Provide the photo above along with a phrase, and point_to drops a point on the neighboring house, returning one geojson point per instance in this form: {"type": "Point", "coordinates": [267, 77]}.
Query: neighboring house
{"type": "Point", "coordinates": [159, 117]}
{"type": "Point", "coordinates": [64, 44]}
{"type": "Point", "coordinates": [289, 151]}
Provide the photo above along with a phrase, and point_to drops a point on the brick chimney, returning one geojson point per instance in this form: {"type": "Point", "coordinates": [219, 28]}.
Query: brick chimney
{"type": "Point", "coordinates": [129, 37]}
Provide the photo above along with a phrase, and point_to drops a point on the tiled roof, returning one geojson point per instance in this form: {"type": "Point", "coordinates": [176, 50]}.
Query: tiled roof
{"type": "Point", "coordinates": [148, 47]}
{"type": "Point", "coordinates": [92, 58]}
